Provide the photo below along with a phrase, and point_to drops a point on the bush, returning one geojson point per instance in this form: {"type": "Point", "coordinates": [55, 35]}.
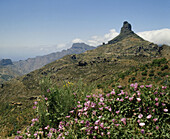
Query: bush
{"type": "Point", "coordinates": [144, 73]}
{"type": "Point", "coordinates": [158, 62]}
{"type": "Point", "coordinates": [164, 67]}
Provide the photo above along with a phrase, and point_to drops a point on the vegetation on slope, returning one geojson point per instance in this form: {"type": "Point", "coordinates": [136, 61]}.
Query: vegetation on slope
{"type": "Point", "coordinates": [140, 112]}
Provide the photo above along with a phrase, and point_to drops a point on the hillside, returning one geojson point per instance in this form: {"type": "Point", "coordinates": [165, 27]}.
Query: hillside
{"type": "Point", "coordinates": [98, 66]}
{"type": "Point", "coordinates": [9, 70]}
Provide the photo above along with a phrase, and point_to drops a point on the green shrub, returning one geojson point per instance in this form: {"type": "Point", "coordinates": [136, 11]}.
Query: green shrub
{"type": "Point", "coordinates": [164, 67]}
{"type": "Point", "coordinates": [144, 73]}
{"type": "Point", "coordinates": [158, 62]}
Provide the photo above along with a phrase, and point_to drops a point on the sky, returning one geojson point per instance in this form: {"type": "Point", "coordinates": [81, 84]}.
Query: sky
{"type": "Point", "coordinates": [30, 28]}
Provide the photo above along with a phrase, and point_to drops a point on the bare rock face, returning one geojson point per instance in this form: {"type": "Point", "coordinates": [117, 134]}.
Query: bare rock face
{"type": "Point", "coordinates": [126, 29]}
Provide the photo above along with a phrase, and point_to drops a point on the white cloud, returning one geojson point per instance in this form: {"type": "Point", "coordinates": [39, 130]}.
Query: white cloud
{"type": "Point", "coordinates": [161, 36]}
{"type": "Point", "coordinates": [98, 40]}
{"type": "Point", "coordinates": [77, 40]}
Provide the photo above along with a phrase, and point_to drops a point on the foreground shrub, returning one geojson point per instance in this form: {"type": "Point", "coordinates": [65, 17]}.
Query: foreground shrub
{"type": "Point", "coordinates": [141, 112]}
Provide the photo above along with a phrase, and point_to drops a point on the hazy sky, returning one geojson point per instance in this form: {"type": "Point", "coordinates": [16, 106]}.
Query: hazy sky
{"type": "Point", "coordinates": [30, 28]}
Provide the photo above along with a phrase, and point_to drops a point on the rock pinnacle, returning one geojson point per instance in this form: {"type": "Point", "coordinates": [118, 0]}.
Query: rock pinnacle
{"type": "Point", "coordinates": [126, 29]}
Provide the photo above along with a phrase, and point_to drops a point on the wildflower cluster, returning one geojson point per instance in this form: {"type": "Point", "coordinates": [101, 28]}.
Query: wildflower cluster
{"type": "Point", "coordinates": [140, 112]}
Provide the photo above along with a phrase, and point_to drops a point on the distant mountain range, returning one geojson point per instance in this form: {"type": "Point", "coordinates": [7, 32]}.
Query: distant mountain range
{"type": "Point", "coordinates": [10, 70]}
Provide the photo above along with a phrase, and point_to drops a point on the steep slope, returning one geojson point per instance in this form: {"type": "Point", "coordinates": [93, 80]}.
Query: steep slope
{"type": "Point", "coordinates": [98, 65]}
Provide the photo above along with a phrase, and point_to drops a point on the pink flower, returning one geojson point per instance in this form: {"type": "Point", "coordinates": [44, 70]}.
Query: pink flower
{"type": "Point", "coordinates": [132, 85]}
{"type": "Point", "coordinates": [101, 108]}
{"type": "Point", "coordinates": [142, 131]}
{"type": "Point", "coordinates": [149, 116]}
{"type": "Point", "coordinates": [157, 127]}
{"type": "Point", "coordinates": [79, 106]}
{"type": "Point", "coordinates": [97, 122]}
{"type": "Point", "coordinates": [35, 134]}
{"type": "Point", "coordinates": [157, 104]}
{"type": "Point", "coordinates": [110, 109]}
{"type": "Point", "coordinates": [107, 95]}
{"type": "Point", "coordinates": [155, 119]}
{"type": "Point", "coordinates": [117, 125]}
{"type": "Point", "coordinates": [163, 104]}
{"type": "Point", "coordinates": [67, 116]}
{"type": "Point", "coordinates": [126, 97]}
{"type": "Point", "coordinates": [18, 132]}
{"type": "Point", "coordinates": [46, 98]}
{"type": "Point", "coordinates": [94, 112]}
{"type": "Point", "coordinates": [149, 86]}
{"type": "Point", "coordinates": [34, 107]}
{"type": "Point", "coordinates": [165, 110]}
{"type": "Point", "coordinates": [85, 108]}
{"type": "Point", "coordinates": [48, 90]}
{"type": "Point", "coordinates": [113, 120]}
{"type": "Point", "coordinates": [82, 121]}
{"type": "Point", "coordinates": [101, 99]}
{"type": "Point", "coordinates": [156, 99]}
{"type": "Point", "coordinates": [108, 133]}
{"type": "Point", "coordinates": [131, 98]}
{"type": "Point", "coordinates": [121, 100]}
{"type": "Point", "coordinates": [117, 112]}
{"type": "Point", "coordinates": [48, 127]}
{"type": "Point", "coordinates": [122, 92]}
{"type": "Point", "coordinates": [139, 94]}
{"type": "Point", "coordinates": [88, 96]}
{"type": "Point", "coordinates": [119, 86]}
{"type": "Point", "coordinates": [142, 86]}
{"type": "Point", "coordinates": [138, 99]}
{"type": "Point", "coordinates": [164, 87]}
{"type": "Point", "coordinates": [96, 127]}
{"type": "Point", "coordinates": [35, 103]}
{"type": "Point", "coordinates": [117, 99]}
{"type": "Point", "coordinates": [140, 116]}
{"type": "Point", "coordinates": [100, 117]}
{"type": "Point", "coordinates": [113, 92]}
{"type": "Point", "coordinates": [102, 125]}
{"type": "Point", "coordinates": [76, 120]}
{"type": "Point", "coordinates": [141, 124]}
{"type": "Point", "coordinates": [124, 121]}
{"type": "Point", "coordinates": [72, 111]}
{"type": "Point", "coordinates": [138, 121]}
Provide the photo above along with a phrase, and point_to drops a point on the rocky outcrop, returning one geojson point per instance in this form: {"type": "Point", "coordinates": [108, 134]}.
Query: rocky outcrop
{"type": "Point", "coordinates": [126, 31]}
{"type": "Point", "coordinates": [5, 62]}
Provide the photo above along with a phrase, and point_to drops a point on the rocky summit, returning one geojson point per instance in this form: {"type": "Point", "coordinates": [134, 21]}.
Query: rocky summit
{"type": "Point", "coordinates": [126, 30]}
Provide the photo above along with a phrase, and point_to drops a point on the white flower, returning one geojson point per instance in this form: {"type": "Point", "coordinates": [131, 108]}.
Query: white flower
{"type": "Point", "coordinates": [141, 124]}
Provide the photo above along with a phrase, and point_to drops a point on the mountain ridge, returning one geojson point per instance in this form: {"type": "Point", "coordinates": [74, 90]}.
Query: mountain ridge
{"type": "Point", "coordinates": [25, 66]}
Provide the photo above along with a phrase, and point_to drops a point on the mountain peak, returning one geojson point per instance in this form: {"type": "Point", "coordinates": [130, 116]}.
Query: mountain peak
{"type": "Point", "coordinates": [126, 29]}
{"type": "Point", "coordinates": [82, 46]}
